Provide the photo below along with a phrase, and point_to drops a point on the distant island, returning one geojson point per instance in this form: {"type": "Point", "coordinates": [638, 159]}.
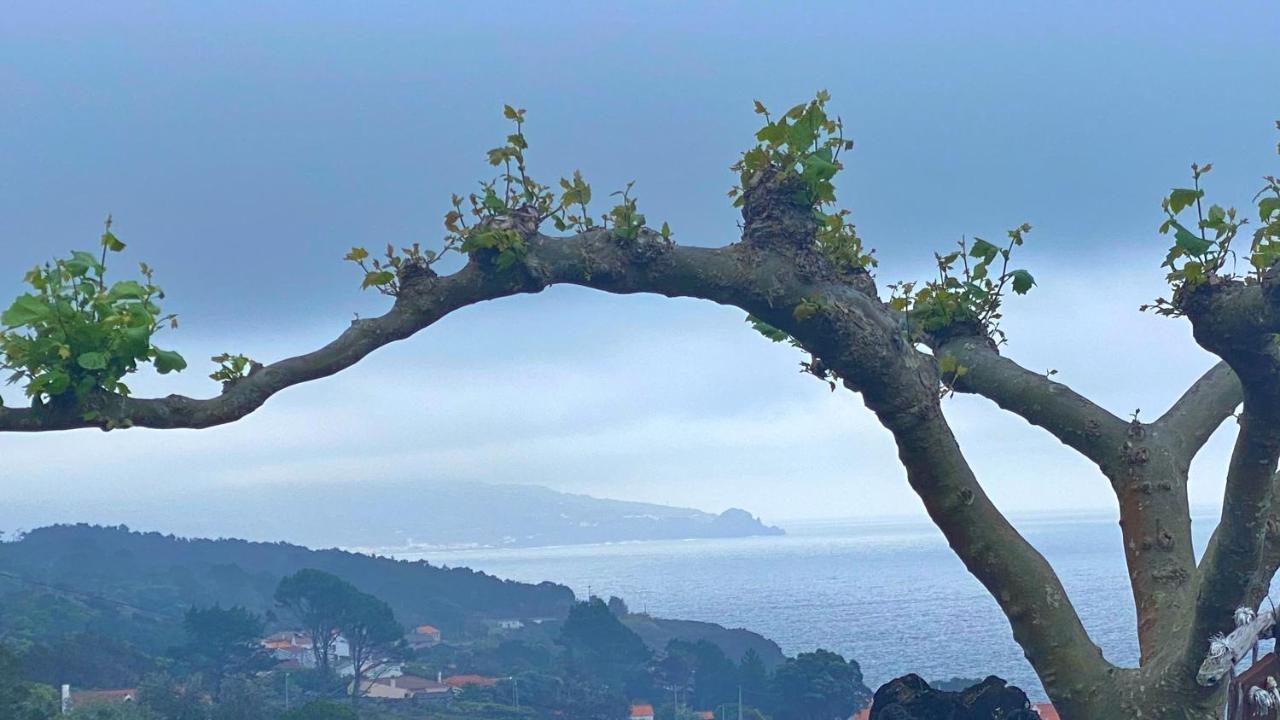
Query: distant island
{"type": "Point", "coordinates": [402, 516]}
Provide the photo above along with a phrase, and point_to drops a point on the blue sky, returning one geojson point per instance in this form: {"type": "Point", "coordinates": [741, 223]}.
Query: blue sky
{"type": "Point", "coordinates": [242, 150]}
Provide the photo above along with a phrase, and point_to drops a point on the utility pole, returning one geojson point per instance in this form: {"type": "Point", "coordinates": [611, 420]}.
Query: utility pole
{"type": "Point", "coordinates": [286, 692]}
{"type": "Point", "coordinates": [739, 702]}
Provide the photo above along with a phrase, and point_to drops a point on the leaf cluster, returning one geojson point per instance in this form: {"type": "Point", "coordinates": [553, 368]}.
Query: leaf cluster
{"type": "Point", "coordinates": [807, 142]}
{"type": "Point", "coordinates": [513, 193]}
{"type": "Point", "coordinates": [384, 273]}
{"type": "Point", "coordinates": [231, 367]}
{"type": "Point", "coordinates": [1202, 245]}
{"type": "Point", "coordinates": [74, 334]}
{"type": "Point", "coordinates": [969, 289]}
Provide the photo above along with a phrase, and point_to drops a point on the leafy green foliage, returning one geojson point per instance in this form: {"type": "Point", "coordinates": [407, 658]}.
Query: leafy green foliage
{"type": "Point", "coordinates": [513, 194]}
{"type": "Point", "coordinates": [806, 141]}
{"type": "Point", "coordinates": [231, 367]}
{"type": "Point", "coordinates": [170, 699]}
{"type": "Point", "coordinates": [370, 626]}
{"type": "Point", "coordinates": [74, 335]}
{"type": "Point", "coordinates": [969, 288]}
{"type": "Point", "coordinates": [1201, 248]}
{"type": "Point", "coordinates": [224, 641]}
{"type": "Point", "coordinates": [319, 601]}
{"type": "Point", "coordinates": [819, 684]}
{"type": "Point", "coordinates": [19, 699]}
{"type": "Point", "coordinates": [951, 371]}
{"type": "Point", "coordinates": [769, 331]}
{"type": "Point", "coordinates": [384, 273]}
{"type": "Point", "coordinates": [321, 710]}
{"type": "Point", "coordinates": [599, 645]}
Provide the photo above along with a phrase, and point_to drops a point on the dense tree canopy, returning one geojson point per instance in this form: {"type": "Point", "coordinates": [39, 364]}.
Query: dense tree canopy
{"type": "Point", "coordinates": [224, 641]}
{"type": "Point", "coordinates": [599, 645]}
{"type": "Point", "coordinates": [819, 685]}
{"type": "Point", "coordinates": [803, 275]}
{"type": "Point", "coordinates": [318, 600]}
{"type": "Point", "coordinates": [371, 631]}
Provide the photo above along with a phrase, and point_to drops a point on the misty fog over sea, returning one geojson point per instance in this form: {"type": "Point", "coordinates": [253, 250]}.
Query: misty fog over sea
{"type": "Point", "coordinates": [889, 594]}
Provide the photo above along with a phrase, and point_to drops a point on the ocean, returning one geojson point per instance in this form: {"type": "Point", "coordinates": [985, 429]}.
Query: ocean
{"type": "Point", "coordinates": [889, 594]}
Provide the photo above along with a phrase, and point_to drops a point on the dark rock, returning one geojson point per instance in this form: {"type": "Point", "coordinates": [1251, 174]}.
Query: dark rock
{"type": "Point", "coordinates": [911, 698]}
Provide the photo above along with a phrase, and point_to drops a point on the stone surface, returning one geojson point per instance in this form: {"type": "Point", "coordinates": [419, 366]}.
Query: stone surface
{"type": "Point", "coordinates": [911, 698]}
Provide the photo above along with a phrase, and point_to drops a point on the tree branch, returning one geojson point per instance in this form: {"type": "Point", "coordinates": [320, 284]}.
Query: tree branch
{"type": "Point", "coordinates": [1150, 485]}
{"type": "Point", "coordinates": [1043, 619]}
{"type": "Point", "coordinates": [1238, 322]}
{"type": "Point", "coordinates": [1232, 562]}
{"type": "Point", "coordinates": [1201, 410]}
{"type": "Point", "coordinates": [423, 300]}
{"type": "Point", "coordinates": [1075, 420]}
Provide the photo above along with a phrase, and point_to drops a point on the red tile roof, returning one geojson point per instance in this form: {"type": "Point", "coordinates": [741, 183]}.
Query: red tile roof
{"type": "Point", "coordinates": [121, 695]}
{"type": "Point", "coordinates": [640, 710]}
{"type": "Point", "coordinates": [1046, 711]}
{"type": "Point", "coordinates": [413, 682]}
{"type": "Point", "coordinates": [461, 680]}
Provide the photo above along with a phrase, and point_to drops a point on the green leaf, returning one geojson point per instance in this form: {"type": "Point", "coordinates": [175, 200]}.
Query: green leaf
{"type": "Point", "coordinates": [983, 249]}
{"type": "Point", "coordinates": [947, 364]}
{"type": "Point", "coordinates": [1022, 281]}
{"type": "Point", "coordinates": [81, 262]}
{"type": "Point", "coordinates": [168, 361]}
{"type": "Point", "coordinates": [111, 242]}
{"type": "Point", "coordinates": [127, 290]}
{"type": "Point", "coordinates": [815, 168]}
{"type": "Point", "coordinates": [92, 361]}
{"type": "Point", "coordinates": [377, 277]}
{"type": "Point", "coordinates": [54, 382]}
{"type": "Point", "coordinates": [767, 330]}
{"type": "Point", "coordinates": [1268, 207]}
{"type": "Point", "coordinates": [25, 310]}
{"type": "Point", "coordinates": [136, 341]}
{"type": "Point", "coordinates": [1190, 243]}
{"type": "Point", "coordinates": [1181, 198]}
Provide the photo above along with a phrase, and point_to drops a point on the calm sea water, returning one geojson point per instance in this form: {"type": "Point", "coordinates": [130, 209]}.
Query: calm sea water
{"type": "Point", "coordinates": [889, 594]}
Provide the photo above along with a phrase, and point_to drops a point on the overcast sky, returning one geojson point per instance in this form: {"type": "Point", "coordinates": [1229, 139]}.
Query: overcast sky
{"type": "Point", "coordinates": [242, 154]}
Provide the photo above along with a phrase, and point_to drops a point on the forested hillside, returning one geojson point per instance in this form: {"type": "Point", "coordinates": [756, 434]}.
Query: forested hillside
{"type": "Point", "coordinates": [118, 583]}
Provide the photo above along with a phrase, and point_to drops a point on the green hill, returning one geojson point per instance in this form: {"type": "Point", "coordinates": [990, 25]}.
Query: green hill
{"type": "Point", "coordinates": [86, 602]}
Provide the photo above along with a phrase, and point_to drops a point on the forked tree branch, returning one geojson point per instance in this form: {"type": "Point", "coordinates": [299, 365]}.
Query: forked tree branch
{"type": "Point", "coordinates": [1201, 410]}
{"type": "Point", "coordinates": [1075, 420]}
{"type": "Point", "coordinates": [1238, 323]}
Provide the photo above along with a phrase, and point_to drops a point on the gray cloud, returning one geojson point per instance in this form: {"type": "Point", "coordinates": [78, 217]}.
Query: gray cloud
{"type": "Point", "coordinates": [243, 155]}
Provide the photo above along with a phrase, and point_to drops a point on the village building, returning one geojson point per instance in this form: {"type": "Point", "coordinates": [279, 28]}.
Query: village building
{"type": "Point", "coordinates": [641, 711]}
{"type": "Point", "coordinates": [81, 698]}
{"type": "Point", "coordinates": [461, 681]}
{"type": "Point", "coordinates": [286, 639]}
{"type": "Point", "coordinates": [424, 636]}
